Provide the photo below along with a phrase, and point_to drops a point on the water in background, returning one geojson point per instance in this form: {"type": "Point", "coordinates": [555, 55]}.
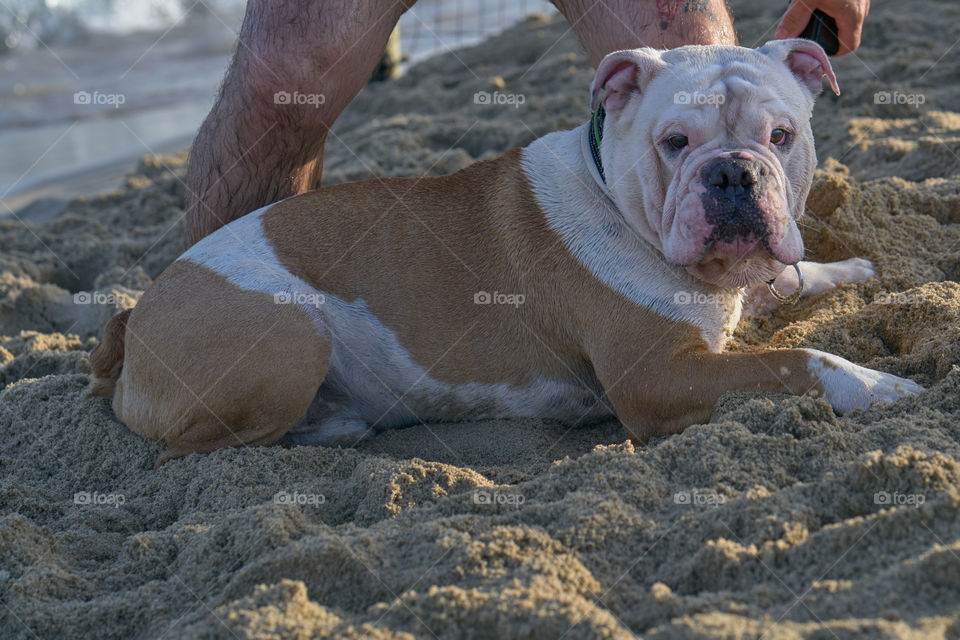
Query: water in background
{"type": "Point", "coordinates": [88, 85]}
{"type": "Point", "coordinates": [33, 23]}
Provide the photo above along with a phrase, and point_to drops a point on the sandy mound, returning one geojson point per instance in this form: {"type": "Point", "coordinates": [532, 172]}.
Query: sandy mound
{"type": "Point", "coordinates": [776, 519]}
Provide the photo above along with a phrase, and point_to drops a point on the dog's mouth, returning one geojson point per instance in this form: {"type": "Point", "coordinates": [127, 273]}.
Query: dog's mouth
{"type": "Point", "coordinates": [749, 264]}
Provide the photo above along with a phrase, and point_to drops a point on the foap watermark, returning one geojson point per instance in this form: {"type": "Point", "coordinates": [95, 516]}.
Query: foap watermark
{"type": "Point", "coordinates": [96, 297]}
{"type": "Point", "coordinates": [296, 98]}
{"type": "Point", "coordinates": [499, 98]}
{"type": "Point", "coordinates": [485, 297]}
{"type": "Point", "coordinates": [900, 298]}
{"type": "Point", "coordinates": [300, 298]}
{"type": "Point", "coordinates": [96, 98]}
{"type": "Point", "coordinates": [99, 499]}
{"type": "Point", "coordinates": [698, 297]}
{"type": "Point", "coordinates": [299, 499]}
{"type": "Point", "coordinates": [699, 498]}
{"type": "Point", "coordinates": [897, 97]}
{"type": "Point", "coordinates": [897, 499]}
{"type": "Point", "coordinates": [699, 98]}
{"type": "Point", "coordinates": [494, 496]}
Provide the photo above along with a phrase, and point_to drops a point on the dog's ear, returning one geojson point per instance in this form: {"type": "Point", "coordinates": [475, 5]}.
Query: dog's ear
{"type": "Point", "coordinates": [622, 73]}
{"type": "Point", "coordinates": [806, 59]}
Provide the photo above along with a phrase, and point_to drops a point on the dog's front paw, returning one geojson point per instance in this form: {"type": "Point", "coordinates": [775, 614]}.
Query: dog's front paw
{"type": "Point", "coordinates": [822, 277]}
{"type": "Point", "coordinates": [818, 277]}
{"type": "Point", "coordinates": [848, 386]}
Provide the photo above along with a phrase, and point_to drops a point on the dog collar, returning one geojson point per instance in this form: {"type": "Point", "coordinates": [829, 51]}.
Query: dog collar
{"type": "Point", "coordinates": [590, 147]}
{"type": "Point", "coordinates": [595, 137]}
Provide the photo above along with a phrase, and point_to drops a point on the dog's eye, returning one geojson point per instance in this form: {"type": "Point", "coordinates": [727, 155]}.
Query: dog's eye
{"type": "Point", "coordinates": [678, 141]}
{"type": "Point", "coordinates": [779, 136]}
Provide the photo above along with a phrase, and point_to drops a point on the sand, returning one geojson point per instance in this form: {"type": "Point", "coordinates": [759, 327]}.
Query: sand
{"type": "Point", "coordinates": [777, 519]}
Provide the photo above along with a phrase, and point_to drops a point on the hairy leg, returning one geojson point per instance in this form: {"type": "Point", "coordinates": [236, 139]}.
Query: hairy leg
{"type": "Point", "coordinates": [603, 26]}
{"type": "Point", "coordinates": [297, 66]}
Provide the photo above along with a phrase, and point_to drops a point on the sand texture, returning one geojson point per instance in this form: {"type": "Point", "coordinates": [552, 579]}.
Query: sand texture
{"type": "Point", "coordinates": [777, 519]}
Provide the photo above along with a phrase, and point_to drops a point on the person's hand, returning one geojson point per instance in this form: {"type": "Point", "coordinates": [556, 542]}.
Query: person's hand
{"type": "Point", "coordinates": [849, 15]}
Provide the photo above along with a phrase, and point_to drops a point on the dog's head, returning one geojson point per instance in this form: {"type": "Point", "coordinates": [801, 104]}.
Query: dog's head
{"type": "Point", "coordinates": [708, 151]}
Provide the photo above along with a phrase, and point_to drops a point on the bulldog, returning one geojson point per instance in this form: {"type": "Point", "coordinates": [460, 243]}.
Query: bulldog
{"type": "Point", "coordinates": [596, 272]}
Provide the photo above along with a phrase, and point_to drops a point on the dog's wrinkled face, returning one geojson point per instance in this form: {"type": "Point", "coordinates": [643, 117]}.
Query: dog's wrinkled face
{"type": "Point", "coordinates": [708, 152]}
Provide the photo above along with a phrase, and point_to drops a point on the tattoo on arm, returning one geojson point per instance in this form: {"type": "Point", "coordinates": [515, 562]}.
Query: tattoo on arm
{"type": "Point", "coordinates": [668, 10]}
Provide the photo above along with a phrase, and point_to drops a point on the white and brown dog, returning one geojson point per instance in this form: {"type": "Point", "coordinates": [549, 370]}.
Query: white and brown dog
{"type": "Point", "coordinates": [597, 271]}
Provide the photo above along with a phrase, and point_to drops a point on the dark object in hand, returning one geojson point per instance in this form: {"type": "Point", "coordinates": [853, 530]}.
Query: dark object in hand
{"type": "Point", "coordinates": [822, 29]}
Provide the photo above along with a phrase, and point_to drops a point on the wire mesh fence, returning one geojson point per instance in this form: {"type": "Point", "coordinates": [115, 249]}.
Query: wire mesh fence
{"type": "Point", "coordinates": [431, 26]}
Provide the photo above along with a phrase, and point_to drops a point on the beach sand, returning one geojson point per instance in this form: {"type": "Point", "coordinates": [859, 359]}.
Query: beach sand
{"type": "Point", "coordinates": [777, 519]}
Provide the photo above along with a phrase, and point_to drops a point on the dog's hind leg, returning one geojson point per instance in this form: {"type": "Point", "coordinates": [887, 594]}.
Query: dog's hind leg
{"type": "Point", "coordinates": [210, 365]}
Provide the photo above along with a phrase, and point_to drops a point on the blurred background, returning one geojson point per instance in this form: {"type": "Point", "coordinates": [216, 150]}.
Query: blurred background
{"type": "Point", "coordinates": [89, 85]}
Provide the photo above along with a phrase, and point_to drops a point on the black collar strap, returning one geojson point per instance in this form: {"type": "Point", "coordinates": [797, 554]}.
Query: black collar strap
{"type": "Point", "coordinates": [596, 137]}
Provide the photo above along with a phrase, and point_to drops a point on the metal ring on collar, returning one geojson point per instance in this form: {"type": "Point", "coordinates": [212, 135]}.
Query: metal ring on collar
{"type": "Point", "coordinates": [793, 297]}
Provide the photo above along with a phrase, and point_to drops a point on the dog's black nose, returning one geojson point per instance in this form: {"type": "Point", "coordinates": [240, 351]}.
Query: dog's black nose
{"type": "Point", "coordinates": [731, 200]}
{"type": "Point", "coordinates": [730, 178]}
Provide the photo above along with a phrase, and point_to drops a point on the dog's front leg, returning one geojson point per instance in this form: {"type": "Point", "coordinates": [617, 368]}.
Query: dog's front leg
{"type": "Point", "coordinates": [817, 278]}
{"type": "Point", "coordinates": [657, 396]}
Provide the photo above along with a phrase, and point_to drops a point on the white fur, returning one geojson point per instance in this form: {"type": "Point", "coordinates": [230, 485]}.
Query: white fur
{"type": "Point", "coordinates": [595, 232]}
{"type": "Point", "coordinates": [849, 386]}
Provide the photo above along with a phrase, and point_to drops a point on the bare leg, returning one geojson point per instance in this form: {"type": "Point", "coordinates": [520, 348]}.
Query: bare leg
{"type": "Point", "coordinates": [611, 25]}
{"type": "Point", "coordinates": [257, 147]}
